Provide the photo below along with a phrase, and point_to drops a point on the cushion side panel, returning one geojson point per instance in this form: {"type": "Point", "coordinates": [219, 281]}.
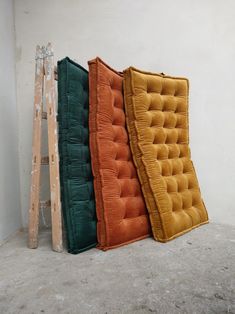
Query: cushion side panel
{"type": "Point", "coordinates": [94, 148]}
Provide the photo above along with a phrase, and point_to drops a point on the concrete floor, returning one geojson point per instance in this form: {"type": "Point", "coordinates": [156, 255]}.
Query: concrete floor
{"type": "Point", "coordinates": [192, 274]}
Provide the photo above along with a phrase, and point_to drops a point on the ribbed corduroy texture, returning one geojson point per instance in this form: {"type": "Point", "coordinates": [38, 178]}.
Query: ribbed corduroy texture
{"type": "Point", "coordinates": [157, 120]}
{"type": "Point", "coordinates": [76, 178]}
{"type": "Point", "coordinates": [122, 216]}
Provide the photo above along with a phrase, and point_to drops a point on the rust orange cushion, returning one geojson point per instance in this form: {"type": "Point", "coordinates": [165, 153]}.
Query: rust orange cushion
{"type": "Point", "coordinates": [121, 212]}
{"type": "Point", "coordinates": [157, 120]}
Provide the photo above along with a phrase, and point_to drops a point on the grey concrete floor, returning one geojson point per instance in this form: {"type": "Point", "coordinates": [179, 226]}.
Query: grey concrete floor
{"type": "Point", "coordinates": [195, 273]}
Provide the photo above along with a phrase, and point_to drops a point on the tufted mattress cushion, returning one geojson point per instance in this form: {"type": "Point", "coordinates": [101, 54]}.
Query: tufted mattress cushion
{"type": "Point", "coordinates": [76, 178]}
{"type": "Point", "coordinates": [121, 212]}
{"type": "Point", "coordinates": [157, 121]}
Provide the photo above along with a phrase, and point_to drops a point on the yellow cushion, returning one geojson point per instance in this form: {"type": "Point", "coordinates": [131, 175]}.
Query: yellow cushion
{"type": "Point", "coordinates": [157, 121]}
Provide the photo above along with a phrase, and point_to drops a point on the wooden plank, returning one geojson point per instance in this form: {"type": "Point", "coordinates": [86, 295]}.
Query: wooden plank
{"type": "Point", "coordinates": [53, 150]}
{"type": "Point", "coordinates": [36, 152]}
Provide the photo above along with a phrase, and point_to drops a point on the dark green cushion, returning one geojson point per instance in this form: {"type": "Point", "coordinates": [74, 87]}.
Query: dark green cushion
{"type": "Point", "coordinates": [76, 178]}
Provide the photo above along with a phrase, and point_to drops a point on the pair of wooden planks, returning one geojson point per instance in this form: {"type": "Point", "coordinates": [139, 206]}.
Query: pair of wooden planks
{"type": "Point", "coordinates": [45, 87]}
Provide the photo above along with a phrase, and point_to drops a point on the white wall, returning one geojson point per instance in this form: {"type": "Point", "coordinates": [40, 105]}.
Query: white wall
{"type": "Point", "coordinates": [188, 38]}
{"type": "Point", "coordinates": [10, 215]}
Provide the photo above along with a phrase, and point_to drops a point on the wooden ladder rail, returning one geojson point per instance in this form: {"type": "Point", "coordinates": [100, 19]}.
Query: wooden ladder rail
{"type": "Point", "coordinates": [45, 85]}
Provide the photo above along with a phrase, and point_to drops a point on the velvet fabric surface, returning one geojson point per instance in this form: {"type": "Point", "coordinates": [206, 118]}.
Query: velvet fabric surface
{"type": "Point", "coordinates": [157, 120]}
{"type": "Point", "coordinates": [121, 212]}
{"type": "Point", "coordinates": [76, 178]}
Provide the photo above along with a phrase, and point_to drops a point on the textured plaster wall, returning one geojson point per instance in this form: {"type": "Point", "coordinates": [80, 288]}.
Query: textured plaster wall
{"type": "Point", "coordinates": [188, 38]}
{"type": "Point", "coordinates": [10, 213]}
